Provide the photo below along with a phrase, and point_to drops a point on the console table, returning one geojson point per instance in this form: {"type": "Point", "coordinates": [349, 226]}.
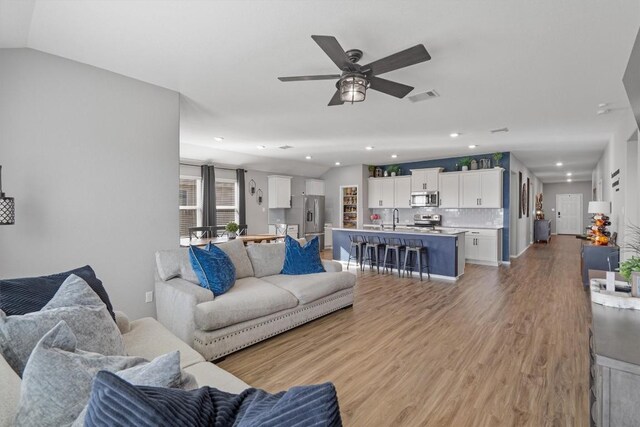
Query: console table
{"type": "Point", "coordinates": [542, 230]}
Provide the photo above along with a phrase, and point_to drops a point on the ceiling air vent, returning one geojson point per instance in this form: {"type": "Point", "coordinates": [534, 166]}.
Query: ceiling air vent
{"type": "Point", "coordinates": [501, 130]}
{"type": "Point", "coordinates": [423, 96]}
{"type": "Point", "coordinates": [285, 147]}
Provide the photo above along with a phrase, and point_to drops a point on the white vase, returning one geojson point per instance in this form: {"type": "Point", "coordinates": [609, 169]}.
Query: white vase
{"type": "Point", "coordinates": [393, 174]}
{"type": "Point", "coordinates": [465, 168]}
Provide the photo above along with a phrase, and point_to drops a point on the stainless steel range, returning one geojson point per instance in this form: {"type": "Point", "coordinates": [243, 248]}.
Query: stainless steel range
{"type": "Point", "coordinates": [427, 220]}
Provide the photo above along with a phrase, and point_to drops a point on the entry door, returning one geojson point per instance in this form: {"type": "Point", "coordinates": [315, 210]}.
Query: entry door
{"type": "Point", "coordinates": [569, 214]}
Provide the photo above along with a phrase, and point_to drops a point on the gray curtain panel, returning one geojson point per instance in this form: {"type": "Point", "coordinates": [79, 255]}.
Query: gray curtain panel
{"type": "Point", "coordinates": [242, 205]}
{"type": "Point", "coordinates": [209, 196]}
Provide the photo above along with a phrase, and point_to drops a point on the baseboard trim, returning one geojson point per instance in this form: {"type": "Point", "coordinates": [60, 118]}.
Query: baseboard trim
{"type": "Point", "coordinates": [523, 251]}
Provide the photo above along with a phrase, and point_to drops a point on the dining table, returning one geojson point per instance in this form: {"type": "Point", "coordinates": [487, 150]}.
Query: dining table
{"type": "Point", "coordinates": [249, 238]}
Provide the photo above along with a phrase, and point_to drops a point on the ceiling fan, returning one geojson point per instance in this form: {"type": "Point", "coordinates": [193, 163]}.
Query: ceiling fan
{"type": "Point", "coordinates": [355, 78]}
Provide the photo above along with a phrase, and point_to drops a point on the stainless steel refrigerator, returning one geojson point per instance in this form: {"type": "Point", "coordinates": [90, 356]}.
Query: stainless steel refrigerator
{"type": "Point", "coordinates": [308, 213]}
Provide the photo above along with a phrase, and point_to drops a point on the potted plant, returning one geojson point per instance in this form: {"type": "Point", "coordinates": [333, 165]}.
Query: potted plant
{"type": "Point", "coordinates": [497, 157]}
{"type": "Point", "coordinates": [393, 170]}
{"type": "Point", "coordinates": [631, 266]}
{"type": "Point", "coordinates": [372, 171]}
{"type": "Point", "coordinates": [231, 229]}
{"type": "Point", "coordinates": [465, 163]}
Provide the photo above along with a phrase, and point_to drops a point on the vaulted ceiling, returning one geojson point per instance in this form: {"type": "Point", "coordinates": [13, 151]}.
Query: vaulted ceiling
{"type": "Point", "coordinates": [539, 68]}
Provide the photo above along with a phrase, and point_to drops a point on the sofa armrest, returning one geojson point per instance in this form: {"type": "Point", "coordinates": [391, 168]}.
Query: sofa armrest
{"type": "Point", "coordinates": [176, 300]}
{"type": "Point", "coordinates": [331, 266]}
{"type": "Point", "coordinates": [122, 321]}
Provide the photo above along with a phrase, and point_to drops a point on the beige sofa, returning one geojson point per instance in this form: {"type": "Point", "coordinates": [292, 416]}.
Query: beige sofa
{"type": "Point", "coordinates": [262, 303]}
{"type": "Point", "coordinates": [145, 338]}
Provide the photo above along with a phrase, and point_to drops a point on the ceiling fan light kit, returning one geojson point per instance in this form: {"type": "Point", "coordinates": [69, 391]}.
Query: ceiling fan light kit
{"type": "Point", "coordinates": [355, 79]}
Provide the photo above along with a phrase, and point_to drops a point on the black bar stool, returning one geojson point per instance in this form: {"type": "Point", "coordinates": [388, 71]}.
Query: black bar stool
{"type": "Point", "coordinates": [356, 243]}
{"type": "Point", "coordinates": [418, 248]}
{"type": "Point", "coordinates": [371, 251]}
{"type": "Point", "coordinates": [392, 244]}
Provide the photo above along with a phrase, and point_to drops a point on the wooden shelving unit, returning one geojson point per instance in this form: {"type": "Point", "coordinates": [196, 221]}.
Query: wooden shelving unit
{"type": "Point", "coordinates": [349, 206]}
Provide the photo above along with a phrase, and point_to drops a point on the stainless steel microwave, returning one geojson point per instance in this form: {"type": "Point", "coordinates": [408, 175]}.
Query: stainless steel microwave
{"type": "Point", "coordinates": [425, 198]}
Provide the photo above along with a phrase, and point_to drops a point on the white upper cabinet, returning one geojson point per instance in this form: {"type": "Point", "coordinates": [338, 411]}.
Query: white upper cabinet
{"type": "Point", "coordinates": [481, 189]}
{"type": "Point", "coordinates": [449, 190]}
{"type": "Point", "coordinates": [382, 192]}
{"type": "Point", "coordinates": [314, 187]}
{"type": "Point", "coordinates": [279, 191]}
{"type": "Point", "coordinates": [425, 179]}
{"type": "Point", "coordinates": [402, 194]}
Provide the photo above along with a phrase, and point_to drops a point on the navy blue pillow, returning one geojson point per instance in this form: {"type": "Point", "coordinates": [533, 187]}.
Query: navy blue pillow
{"type": "Point", "coordinates": [300, 259]}
{"type": "Point", "coordinates": [116, 403]}
{"type": "Point", "coordinates": [29, 294]}
{"type": "Point", "coordinates": [214, 269]}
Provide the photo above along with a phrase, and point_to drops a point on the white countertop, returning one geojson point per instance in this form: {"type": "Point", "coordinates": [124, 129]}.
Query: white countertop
{"type": "Point", "coordinates": [450, 232]}
{"type": "Point", "coordinates": [457, 227]}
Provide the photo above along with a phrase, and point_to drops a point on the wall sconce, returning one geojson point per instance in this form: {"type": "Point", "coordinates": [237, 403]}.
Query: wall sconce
{"type": "Point", "coordinates": [252, 187]}
{"type": "Point", "coordinates": [7, 207]}
{"type": "Point", "coordinates": [259, 193]}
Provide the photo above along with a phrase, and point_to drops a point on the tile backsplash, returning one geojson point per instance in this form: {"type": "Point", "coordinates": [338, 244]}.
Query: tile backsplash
{"type": "Point", "coordinates": [450, 217]}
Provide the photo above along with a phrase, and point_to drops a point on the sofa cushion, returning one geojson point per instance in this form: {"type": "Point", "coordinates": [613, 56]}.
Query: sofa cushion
{"type": "Point", "coordinates": [29, 294]}
{"type": "Point", "coordinates": [208, 374]}
{"type": "Point", "coordinates": [249, 298]}
{"type": "Point", "coordinates": [214, 269]}
{"type": "Point", "coordinates": [175, 263]}
{"type": "Point", "coordinates": [237, 252]}
{"type": "Point", "coordinates": [302, 259]}
{"type": "Point", "coordinates": [267, 259]}
{"type": "Point", "coordinates": [57, 379]}
{"type": "Point", "coordinates": [148, 338]}
{"type": "Point", "coordinates": [74, 303]}
{"type": "Point", "coordinates": [310, 287]}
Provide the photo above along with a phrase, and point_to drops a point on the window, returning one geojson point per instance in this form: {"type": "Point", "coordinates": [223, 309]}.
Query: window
{"type": "Point", "coordinates": [226, 201]}
{"type": "Point", "coordinates": [190, 196]}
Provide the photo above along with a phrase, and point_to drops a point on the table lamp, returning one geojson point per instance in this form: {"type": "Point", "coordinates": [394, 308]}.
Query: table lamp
{"type": "Point", "coordinates": [7, 206]}
{"type": "Point", "coordinates": [598, 232]}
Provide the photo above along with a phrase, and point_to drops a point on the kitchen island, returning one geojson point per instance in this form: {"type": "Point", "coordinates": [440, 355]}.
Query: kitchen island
{"type": "Point", "coordinates": [445, 248]}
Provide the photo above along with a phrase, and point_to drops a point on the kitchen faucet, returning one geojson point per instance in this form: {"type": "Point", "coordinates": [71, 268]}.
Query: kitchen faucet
{"type": "Point", "coordinates": [396, 218]}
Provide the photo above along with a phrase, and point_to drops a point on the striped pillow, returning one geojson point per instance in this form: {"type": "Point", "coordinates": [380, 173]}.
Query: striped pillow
{"type": "Point", "coordinates": [114, 403]}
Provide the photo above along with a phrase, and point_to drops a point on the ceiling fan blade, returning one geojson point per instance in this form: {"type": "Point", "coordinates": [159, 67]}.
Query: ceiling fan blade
{"type": "Point", "coordinates": [390, 88]}
{"type": "Point", "coordinates": [334, 51]}
{"type": "Point", "coordinates": [335, 100]}
{"type": "Point", "coordinates": [303, 78]}
{"type": "Point", "coordinates": [405, 58]}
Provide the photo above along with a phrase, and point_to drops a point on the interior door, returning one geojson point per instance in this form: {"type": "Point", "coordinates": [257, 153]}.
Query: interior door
{"type": "Point", "coordinates": [569, 213]}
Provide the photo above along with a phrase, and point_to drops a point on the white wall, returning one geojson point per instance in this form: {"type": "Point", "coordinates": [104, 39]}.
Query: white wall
{"type": "Point", "coordinates": [524, 226]}
{"type": "Point", "coordinates": [552, 190]}
{"type": "Point", "coordinates": [616, 156]}
{"type": "Point", "coordinates": [91, 158]}
{"type": "Point", "coordinates": [340, 176]}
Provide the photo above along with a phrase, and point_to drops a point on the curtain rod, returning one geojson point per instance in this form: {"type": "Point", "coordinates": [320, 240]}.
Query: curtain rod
{"type": "Point", "coordinates": [217, 167]}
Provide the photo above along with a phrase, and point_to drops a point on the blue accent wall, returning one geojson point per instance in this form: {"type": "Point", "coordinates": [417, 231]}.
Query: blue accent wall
{"type": "Point", "coordinates": [449, 165]}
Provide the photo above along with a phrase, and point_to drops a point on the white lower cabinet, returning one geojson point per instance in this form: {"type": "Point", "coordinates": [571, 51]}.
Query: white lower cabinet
{"type": "Point", "coordinates": [483, 246]}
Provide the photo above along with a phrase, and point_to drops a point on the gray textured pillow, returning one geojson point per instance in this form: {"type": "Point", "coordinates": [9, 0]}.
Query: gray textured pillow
{"type": "Point", "coordinates": [237, 252]}
{"type": "Point", "coordinates": [75, 303]}
{"type": "Point", "coordinates": [56, 384]}
{"type": "Point", "coordinates": [267, 258]}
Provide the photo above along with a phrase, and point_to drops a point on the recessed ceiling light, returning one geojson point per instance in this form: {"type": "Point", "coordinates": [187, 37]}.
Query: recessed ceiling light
{"type": "Point", "coordinates": [369, 148]}
{"type": "Point", "coordinates": [603, 104]}
{"type": "Point", "coordinates": [337, 163]}
{"type": "Point", "coordinates": [559, 164]}
{"type": "Point", "coordinates": [218, 138]}
{"type": "Point", "coordinates": [261, 147]}
{"type": "Point", "coordinates": [602, 111]}
{"type": "Point", "coordinates": [394, 156]}
{"type": "Point", "coordinates": [308, 157]}
{"type": "Point", "coordinates": [569, 180]}
{"type": "Point", "coordinates": [473, 146]}
{"type": "Point", "coordinates": [454, 134]}
{"type": "Point", "coordinates": [569, 174]}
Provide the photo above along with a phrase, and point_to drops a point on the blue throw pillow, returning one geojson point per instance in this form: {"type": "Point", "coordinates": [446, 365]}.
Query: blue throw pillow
{"type": "Point", "coordinates": [30, 294]}
{"type": "Point", "coordinates": [214, 269]}
{"type": "Point", "coordinates": [300, 259]}
{"type": "Point", "coordinates": [116, 403]}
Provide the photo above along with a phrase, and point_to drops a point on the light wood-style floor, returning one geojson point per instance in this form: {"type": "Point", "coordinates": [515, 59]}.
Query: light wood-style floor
{"type": "Point", "coordinates": [501, 347]}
